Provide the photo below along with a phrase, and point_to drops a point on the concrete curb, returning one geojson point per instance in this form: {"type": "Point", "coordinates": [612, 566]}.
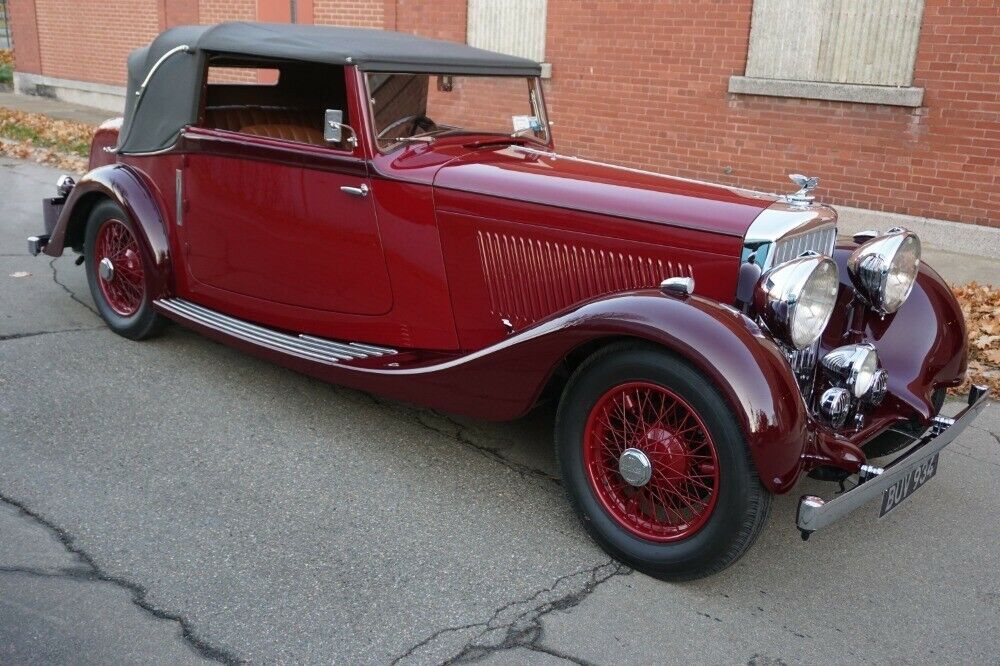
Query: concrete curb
{"type": "Point", "coordinates": [970, 239]}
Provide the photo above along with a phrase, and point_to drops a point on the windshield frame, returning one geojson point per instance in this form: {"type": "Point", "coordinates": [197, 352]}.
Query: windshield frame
{"type": "Point", "coordinates": [536, 98]}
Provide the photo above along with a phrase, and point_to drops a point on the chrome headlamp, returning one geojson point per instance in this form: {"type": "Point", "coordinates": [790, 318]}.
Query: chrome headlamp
{"type": "Point", "coordinates": [796, 299]}
{"type": "Point", "coordinates": [856, 369]}
{"type": "Point", "coordinates": [885, 268]}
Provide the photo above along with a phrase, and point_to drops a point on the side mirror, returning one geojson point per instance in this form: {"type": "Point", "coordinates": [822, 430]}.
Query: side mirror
{"type": "Point", "coordinates": [334, 128]}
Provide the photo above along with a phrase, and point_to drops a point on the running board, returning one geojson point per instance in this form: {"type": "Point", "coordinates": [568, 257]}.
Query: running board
{"type": "Point", "coordinates": [303, 346]}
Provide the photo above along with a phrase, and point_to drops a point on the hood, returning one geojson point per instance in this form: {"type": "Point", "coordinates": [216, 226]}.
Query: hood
{"type": "Point", "coordinates": [549, 179]}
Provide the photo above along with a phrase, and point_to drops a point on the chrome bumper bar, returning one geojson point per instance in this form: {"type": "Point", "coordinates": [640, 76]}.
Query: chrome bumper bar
{"type": "Point", "coordinates": [816, 513]}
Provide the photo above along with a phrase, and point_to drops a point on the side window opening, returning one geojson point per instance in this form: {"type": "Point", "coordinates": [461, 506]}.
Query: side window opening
{"type": "Point", "coordinates": [277, 100]}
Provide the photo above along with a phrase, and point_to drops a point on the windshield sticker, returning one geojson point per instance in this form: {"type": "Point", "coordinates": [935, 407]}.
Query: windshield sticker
{"type": "Point", "coordinates": [522, 123]}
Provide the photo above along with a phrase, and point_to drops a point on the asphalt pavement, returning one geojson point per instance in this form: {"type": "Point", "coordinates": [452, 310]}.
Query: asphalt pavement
{"type": "Point", "coordinates": [177, 501]}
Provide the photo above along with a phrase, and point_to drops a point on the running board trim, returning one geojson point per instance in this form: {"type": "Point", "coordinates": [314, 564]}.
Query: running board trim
{"type": "Point", "coordinates": [303, 346]}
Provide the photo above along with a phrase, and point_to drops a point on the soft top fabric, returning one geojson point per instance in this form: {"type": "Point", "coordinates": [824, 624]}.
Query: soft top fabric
{"type": "Point", "coordinates": [155, 116]}
{"type": "Point", "coordinates": [369, 49]}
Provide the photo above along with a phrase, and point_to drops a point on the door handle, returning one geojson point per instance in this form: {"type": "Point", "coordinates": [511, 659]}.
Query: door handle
{"type": "Point", "coordinates": [355, 191]}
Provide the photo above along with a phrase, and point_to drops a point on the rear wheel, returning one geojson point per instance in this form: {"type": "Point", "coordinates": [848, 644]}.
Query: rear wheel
{"type": "Point", "coordinates": [117, 274]}
{"type": "Point", "coordinates": [655, 464]}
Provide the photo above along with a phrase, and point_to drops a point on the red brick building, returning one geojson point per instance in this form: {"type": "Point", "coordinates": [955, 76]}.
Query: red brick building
{"type": "Point", "coordinates": [894, 103]}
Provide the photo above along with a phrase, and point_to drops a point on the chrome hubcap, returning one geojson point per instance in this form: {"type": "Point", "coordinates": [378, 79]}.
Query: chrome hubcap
{"type": "Point", "coordinates": [106, 269]}
{"type": "Point", "coordinates": [635, 468]}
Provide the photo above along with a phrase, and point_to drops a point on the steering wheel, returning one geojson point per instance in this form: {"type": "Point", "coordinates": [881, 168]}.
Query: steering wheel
{"type": "Point", "coordinates": [418, 120]}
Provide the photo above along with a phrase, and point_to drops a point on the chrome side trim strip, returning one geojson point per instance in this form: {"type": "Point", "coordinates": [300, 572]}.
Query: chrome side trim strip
{"type": "Point", "coordinates": [179, 202]}
{"type": "Point", "coordinates": [303, 346]}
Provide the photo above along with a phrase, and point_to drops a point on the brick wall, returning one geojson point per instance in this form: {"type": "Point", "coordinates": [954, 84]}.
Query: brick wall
{"type": "Point", "coordinates": [87, 42]}
{"type": "Point", "coordinates": [356, 13]}
{"type": "Point", "coordinates": [216, 11]}
{"type": "Point", "coordinates": [24, 21]}
{"type": "Point", "coordinates": [646, 86]}
{"type": "Point", "coordinates": [644, 83]}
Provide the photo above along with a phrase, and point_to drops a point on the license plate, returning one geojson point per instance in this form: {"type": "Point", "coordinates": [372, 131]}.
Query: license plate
{"type": "Point", "coordinates": [909, 484]}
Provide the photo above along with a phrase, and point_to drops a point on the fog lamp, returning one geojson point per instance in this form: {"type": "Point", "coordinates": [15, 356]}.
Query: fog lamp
{"type": "Point", "coordinates": [834, 404]}
{"type": "Point", "coordinates": [854, 367]}
{"type": "Point", "coordinates": [880, 384]}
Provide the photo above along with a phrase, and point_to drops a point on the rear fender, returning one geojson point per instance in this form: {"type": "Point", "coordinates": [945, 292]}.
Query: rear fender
{"type": "Point", "coordinates": [127, 188]}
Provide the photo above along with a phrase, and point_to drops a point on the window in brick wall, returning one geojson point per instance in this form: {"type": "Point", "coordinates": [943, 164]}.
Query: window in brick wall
{"type": "Point", "coordinates": [846, 50]}
{"type": "Point", "coordinates": [514, 27]}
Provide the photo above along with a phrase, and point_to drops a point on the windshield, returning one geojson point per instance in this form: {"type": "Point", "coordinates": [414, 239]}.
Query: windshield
{"type": "Point", "coordinates": [422, 107]}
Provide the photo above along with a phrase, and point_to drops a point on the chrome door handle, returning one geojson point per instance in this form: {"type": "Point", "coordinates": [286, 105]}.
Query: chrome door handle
{"type": "Point", "coordinates": [355, 191]}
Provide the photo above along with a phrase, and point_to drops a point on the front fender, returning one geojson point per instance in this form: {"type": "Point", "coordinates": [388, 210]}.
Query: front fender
{"type": "Point", "coordinates": [504, 381]}
{"type": "Point", "coordinates": [922, 346]}
{"type": "Point", "coordinates": [127, 188]}
{"type": "Point", "coordinates": [749, 370]}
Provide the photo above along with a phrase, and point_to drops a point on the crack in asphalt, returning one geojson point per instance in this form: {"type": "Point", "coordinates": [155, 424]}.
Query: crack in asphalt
{"type": "Point", "coordinates": [55, 278]}
{"type": "Point", "coordinates": [524, 630]}
{"type": "Point", "coordinates": [18, 336]}
{"type": "Point", "coordinates": [90, 571]}
{"type": "Point", "coordinates": [459, 434]}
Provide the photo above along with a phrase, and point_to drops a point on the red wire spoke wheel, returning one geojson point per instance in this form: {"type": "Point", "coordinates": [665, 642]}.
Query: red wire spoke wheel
{"type": "Point", "coordinates": [119, 267]}
{"type": "Point", "coordinates": [651, 461]}
{"type": "Point", "coordinates": [117, 275]}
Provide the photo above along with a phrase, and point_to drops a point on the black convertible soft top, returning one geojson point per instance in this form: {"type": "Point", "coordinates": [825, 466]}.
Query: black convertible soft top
{"type": "Point", "coordinates": [174, 62]}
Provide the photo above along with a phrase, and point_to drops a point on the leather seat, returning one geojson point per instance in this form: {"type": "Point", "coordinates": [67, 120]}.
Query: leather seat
{"type": "Point", "coordinates": [301, 125]}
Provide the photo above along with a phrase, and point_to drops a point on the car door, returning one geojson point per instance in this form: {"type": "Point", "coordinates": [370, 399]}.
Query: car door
{"type": "Point", "coordinates": [275, 213]}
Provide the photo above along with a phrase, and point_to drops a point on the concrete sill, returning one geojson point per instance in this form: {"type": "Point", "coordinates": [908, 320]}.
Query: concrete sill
{"type": "Point", "coordinates": [838, 92]}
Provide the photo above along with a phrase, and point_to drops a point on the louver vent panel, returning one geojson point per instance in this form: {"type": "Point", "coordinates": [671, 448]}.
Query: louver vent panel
{"type": "Point", "coordinates": [528, 279]}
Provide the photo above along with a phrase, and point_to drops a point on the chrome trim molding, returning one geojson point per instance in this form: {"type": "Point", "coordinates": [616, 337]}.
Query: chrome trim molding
{"type": "Point", "coordinates": [678, 286]}
{"type": "Point", "coordinates": [36, 244]}
{"type": "Point", "coordinates": [302, 346]}
{"type": "Point", "coordinates": [65, 185]}
{"type": "Point", "coordinates": [179, 197]}
{"type": "Point", "coordinates": [156, 65]}
{"type": "Point", "coordinates": [784, 231]}
{"type": "Point", "coordinates": [816, 513]}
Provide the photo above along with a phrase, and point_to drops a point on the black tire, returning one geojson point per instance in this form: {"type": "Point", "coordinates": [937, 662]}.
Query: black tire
{"type": "Point", "coordinates": [742, 505]}
{"type": "Point", "coordinates": [144, 322]}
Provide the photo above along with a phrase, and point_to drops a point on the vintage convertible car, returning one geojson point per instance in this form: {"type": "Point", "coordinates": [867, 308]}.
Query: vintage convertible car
{"type": "Point", "coordinates": [388, 212]}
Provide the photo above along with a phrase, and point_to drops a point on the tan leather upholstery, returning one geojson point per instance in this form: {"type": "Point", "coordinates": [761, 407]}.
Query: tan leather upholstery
{"type": "Point", "coordinates": [303, 126]}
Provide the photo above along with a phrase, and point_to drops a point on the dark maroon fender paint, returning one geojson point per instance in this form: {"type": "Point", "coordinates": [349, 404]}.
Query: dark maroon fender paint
{"type": "Point", "coordinates": [922, 345]}
{"type": "Point", "coordinates": [129, 189]}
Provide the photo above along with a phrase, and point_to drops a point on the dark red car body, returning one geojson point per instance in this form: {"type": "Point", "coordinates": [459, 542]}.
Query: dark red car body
{"type": "Point", "coordinates": [482, 272]}
{"type": "Point", "coordinates": [454, 233]}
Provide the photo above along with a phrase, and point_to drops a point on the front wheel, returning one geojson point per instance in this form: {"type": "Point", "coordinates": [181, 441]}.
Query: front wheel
{"type": "Point", "coordinates": [118, 278]}
{"type": "Point", "coordinates": [655, 464]}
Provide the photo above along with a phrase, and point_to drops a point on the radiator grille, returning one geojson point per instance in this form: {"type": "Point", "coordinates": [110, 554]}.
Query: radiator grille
{"type": "Point", "coordinates": [528, 279]}
{"type": "Point", "coordinates": [817, 240]}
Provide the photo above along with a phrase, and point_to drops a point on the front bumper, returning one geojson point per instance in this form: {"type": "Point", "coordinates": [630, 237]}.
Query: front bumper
{"type": "Point", "coordinates": [816, 513]}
